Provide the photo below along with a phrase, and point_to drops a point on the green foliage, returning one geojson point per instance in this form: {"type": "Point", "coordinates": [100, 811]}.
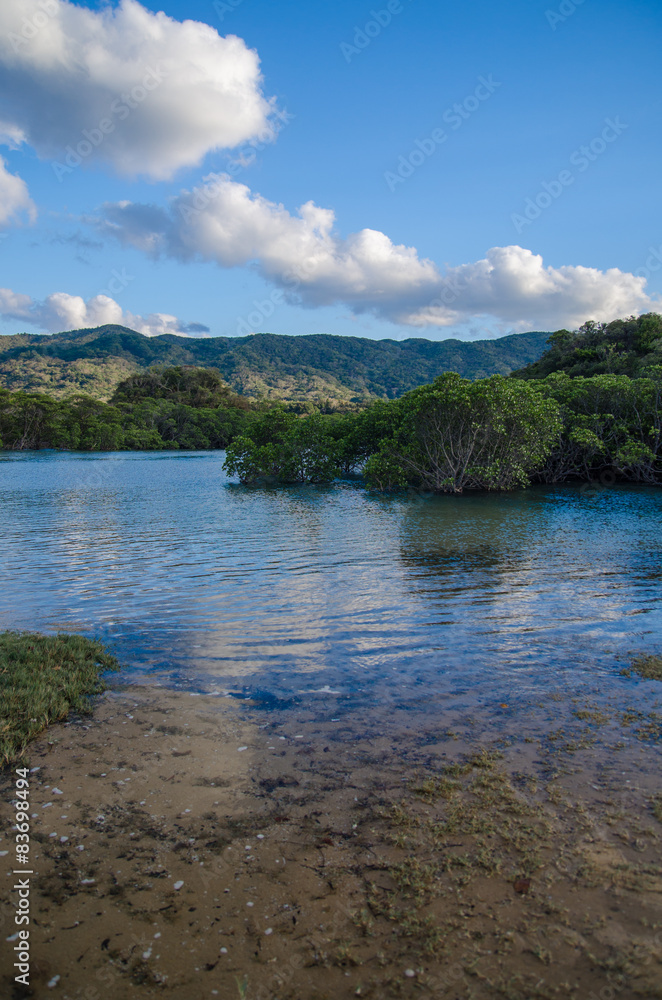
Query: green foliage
{"type": "Point", "coordinates": [42, 679]}
{"type": "Point", "coordinates": [197, 387]}
{"type": "Point", "coordinates": [592, 404]}
{"type": "Point", "coordinates": [32, 421]}
{"type": "Point", "coordinates": [328, 371]}
{"type": "Point", "coordinates": [284, 448]}
{"type": "Point", "coordinates": [455, 434]}
{"type": "Point", "coordinates": [608, 422]}
{"type": "Point", "coordinates": [190, 408]}
{"type": "Point", "coordinates": [622, 347]}
{"type": "Point", "coordinates": [358, 435]}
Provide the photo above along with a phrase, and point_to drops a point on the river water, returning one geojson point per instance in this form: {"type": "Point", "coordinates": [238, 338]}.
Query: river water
{"type": "Point", "coordinates": [199, 583]}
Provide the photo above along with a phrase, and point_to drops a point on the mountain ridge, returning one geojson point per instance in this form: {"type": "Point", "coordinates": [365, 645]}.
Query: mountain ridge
{"type": "Point", "coordinates": [262, 365]}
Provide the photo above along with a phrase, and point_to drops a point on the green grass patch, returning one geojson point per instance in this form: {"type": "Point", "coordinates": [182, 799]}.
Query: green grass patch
{"type": "Point", "coordinates": [649, 667]}
{"type": "Point", "coordinates": [42, 679]}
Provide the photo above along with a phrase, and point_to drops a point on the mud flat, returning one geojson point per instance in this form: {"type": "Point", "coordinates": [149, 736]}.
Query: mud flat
{"type": "Point", "coordinates": [198, 847]}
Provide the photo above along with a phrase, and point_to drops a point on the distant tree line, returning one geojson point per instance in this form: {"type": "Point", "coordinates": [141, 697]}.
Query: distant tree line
{"type": "Point", "coordinates": [160, 408]}
{"type": "Point", "coordinates": [549, 423]}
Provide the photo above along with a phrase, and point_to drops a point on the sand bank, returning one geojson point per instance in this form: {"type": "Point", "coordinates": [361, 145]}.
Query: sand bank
{"type": "Point", "coordinates": [197, 847]}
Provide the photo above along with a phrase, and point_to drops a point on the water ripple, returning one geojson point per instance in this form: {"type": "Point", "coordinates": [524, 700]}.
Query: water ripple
{"type": "Point", "coordinates": [185, 572]}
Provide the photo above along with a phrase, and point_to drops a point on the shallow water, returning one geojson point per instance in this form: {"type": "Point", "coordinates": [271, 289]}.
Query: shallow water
{"type": "Point", "coordinates": [199, 582]}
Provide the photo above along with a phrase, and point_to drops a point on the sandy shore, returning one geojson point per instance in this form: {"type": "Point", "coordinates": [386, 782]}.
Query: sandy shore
{"type": "Point", "coordinates": [195, 847]}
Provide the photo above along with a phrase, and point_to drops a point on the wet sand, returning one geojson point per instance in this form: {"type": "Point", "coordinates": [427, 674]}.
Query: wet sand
{"type": "Point", "coordinates": [194, 847]}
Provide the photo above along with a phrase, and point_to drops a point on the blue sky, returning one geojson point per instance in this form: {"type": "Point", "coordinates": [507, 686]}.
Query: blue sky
{"type": "Point", "coordinates": [429, 136]}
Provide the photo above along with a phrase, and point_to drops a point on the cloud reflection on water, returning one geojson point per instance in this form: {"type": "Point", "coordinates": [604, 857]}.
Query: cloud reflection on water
{"type": "Point", "coordinates": [189, 575]}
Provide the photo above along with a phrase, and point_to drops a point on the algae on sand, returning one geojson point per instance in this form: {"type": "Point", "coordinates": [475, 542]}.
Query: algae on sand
{"type": "Point", "coordinates": [649, 667]}
{"type": "Point", "coordinates": [42, 679]}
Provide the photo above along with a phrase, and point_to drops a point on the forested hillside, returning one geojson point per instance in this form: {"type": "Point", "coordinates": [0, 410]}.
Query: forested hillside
{"type": "Point", "coordinates": [590, 409]}
{"type": "Point", "coordinates": [623, 347]}
{"type": "Point", "coordinates": [263, 366]}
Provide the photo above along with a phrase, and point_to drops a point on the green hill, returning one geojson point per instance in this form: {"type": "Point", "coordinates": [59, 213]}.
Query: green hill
{"type": "Point", "coordinates": [622, 347]}
{"type": "Point", "coordinates": [265, 365]}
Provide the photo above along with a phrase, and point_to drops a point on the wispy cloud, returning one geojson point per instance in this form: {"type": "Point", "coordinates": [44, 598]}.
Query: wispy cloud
{"type": "Point", "coordinates": [77, 239]}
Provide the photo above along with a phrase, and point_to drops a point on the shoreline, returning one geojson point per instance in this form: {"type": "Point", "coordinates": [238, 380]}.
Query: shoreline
{"type": "Point", "coordinates": [189, 845]}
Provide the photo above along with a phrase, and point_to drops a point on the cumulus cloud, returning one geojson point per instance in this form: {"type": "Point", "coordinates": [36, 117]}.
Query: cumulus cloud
{"type": "Point", "coordinates": [141, 91]}
{"type": "Point", "coordinates": [15, 200]}
{"type": "Point", "coordinates": [61, 311]}
{"type": "Point", "coordinates": [512, 284]}
{"type": "Point", "coordinates": [302, 254]}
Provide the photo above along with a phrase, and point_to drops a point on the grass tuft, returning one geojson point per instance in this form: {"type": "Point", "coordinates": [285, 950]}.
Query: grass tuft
{"type": "Point", "coordinates": [42, 679]}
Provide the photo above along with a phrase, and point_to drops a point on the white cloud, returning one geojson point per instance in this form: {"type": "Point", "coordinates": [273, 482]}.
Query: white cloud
{"type": "Point", "coordinates": [149, 95]}
{"type": "Point", "coordinates": [14, 198]}
{"type": "Point", "coordinates": [169, 91]}
{"type": "Point", "coordinates": [61, 311]}
{"type": "Point", "coordinates": [224, 222]}
{"type": "Point", "coordinates": [512, 284]}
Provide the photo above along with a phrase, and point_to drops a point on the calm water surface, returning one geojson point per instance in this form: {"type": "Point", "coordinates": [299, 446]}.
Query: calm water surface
{"type": "Point", "coordinates": [199, 582]}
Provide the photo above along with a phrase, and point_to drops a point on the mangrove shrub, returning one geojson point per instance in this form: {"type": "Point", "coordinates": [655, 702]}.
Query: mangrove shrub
{"type": "Point", "coordinates": [456, 434]}
{"type": "Point", "coordinates": [284, 448]}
